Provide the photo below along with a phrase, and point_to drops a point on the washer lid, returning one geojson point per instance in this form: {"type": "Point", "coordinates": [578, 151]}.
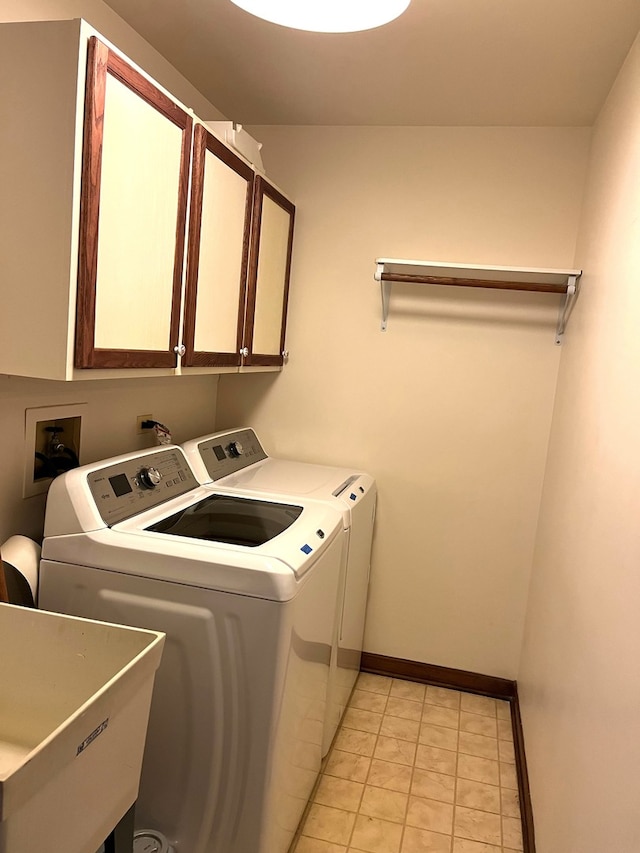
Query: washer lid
{"type": "Point", "coordinates": [227, 518]}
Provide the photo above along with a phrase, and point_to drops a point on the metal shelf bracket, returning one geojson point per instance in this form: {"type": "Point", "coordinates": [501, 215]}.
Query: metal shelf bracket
{"type": "Point", "coordinates": [566, 308]}
{"type": "Point", "coordinates": [385, 293]}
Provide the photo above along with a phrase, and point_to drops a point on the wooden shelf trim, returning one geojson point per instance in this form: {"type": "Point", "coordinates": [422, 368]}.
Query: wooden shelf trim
{"type": "Point", "coordinates": [465, 275]}
{"type": "Point", "coordinates": [474, 282]}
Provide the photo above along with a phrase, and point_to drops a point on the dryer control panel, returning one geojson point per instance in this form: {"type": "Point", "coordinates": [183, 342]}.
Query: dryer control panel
{"type": "Point", "coordinates": [226, 453]}
{"type": "Point", "coordinates": [132, 486]}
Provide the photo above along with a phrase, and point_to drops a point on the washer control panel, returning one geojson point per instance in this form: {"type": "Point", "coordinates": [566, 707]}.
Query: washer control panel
{"type": "Point", "coordinates": [135, 485]}
{"type": "Point", "coordinates": [225, 454]}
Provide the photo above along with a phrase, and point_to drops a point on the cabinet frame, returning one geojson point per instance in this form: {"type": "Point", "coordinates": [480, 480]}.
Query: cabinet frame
{"type": "Point", "coordinates": [264, 188]}
{"type": "Point", "coordinates": [101, 60]}
{"type": "Point", "coordinates": [203, 141]}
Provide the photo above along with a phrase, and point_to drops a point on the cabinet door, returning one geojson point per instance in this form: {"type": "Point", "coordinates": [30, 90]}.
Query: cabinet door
{"type": "Point", "coordinates": [219, 227]}
{"type": "Point", "coordinates": [269, 271]}
{"type": "Point", "coordinates": [132, 220]}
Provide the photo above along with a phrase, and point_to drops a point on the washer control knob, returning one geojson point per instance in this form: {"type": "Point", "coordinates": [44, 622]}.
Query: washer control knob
{"type": "Point", "coordinates": [148, 478]}
{"type": "Point", "coordinates": [235, 449]}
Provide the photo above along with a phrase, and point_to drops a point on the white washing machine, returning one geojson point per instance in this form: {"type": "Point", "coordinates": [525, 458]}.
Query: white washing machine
{"type": "Point", "coordinates": [245, 590]}
{"type": "Point", "coordinates": [235, 459]}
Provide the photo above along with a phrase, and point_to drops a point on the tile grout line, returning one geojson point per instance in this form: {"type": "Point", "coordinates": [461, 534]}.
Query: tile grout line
{"type": "Point", "coordinates": [406, 808]}
{"type": "Point", "coordinates": [364, 786]}
{"type": "Point", "coordinates": [455, 786]}
{"type": "Point", "coordinates": [499, 779]}
{"type": "Point", "coordinates": [371, 757]}
{"type": "Point", "coordinates": [413, 769]}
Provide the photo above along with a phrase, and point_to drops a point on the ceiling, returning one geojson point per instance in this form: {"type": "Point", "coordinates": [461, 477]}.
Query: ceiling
{"type": "Point", "coordinates": [444, 62]}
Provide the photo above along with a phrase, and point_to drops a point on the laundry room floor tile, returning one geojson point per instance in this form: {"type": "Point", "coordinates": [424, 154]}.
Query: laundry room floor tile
{"type": "Point", "coordinates": [416, 769]}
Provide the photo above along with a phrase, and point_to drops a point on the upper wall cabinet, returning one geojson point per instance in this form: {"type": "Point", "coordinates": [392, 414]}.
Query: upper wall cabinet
{"type": "Point", "coordinates": [132, 218]}
{"type": "Point", "coordinates": [97, 163]}
{"type": "Point", "coordinates": [239, 260]}
{"type": "Point", "coordinates": [268, 287]}
{"type": "Point", "coordinates": [219, 229]}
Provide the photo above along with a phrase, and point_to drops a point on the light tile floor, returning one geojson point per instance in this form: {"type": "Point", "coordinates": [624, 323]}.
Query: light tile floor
{"type": "Point", "coordinates": [417, 769]}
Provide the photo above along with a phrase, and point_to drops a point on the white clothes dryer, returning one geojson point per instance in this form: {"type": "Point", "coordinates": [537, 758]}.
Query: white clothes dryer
{"type": "Point", "coordinates": [245, 590]}
{"type": "Point", "coordinates": [235, 460]}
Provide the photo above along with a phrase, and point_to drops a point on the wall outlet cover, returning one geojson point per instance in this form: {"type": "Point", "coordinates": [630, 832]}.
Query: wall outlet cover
{"type": "Point", "coordinates": [139, 421]}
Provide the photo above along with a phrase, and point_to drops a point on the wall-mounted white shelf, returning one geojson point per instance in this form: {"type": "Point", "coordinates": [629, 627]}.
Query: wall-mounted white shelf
{"type": "Point", "coordinates": [389, 270]}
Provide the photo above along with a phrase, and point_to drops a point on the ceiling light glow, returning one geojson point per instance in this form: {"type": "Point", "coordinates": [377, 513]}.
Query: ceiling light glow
{"type": "Point", "coordinates": [326, 16]}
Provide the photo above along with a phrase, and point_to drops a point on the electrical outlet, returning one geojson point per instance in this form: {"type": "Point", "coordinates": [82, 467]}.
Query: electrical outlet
{"type": "Point", "coordinates": [139, 421]}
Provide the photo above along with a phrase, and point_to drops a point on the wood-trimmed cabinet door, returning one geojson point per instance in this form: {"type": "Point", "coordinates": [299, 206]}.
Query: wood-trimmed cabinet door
{"type": "Point", "coordinates": [218, 252]}
{"type": "Point", "coordinates": [135, 177]}
{"type": "Point", "coordinates": [269, 273]}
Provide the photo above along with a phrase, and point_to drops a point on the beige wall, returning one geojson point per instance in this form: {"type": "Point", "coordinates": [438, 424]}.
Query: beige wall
{"type": "Point", "coordinates": [112, 27]}
{"type": "Point", "coordinates": [186, 404]}
{"type": "Point", "coordinates": [450, 408]}
{"type": "Point", "coordinates": [579, 682]}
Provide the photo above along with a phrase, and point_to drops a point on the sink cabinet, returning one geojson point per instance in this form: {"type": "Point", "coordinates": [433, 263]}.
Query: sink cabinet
{"type": "Point", "coordinates": [97, 167]}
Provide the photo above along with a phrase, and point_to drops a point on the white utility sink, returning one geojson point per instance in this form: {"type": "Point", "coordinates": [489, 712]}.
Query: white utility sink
{"type": "Point", "coordinates": [74, 707]}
